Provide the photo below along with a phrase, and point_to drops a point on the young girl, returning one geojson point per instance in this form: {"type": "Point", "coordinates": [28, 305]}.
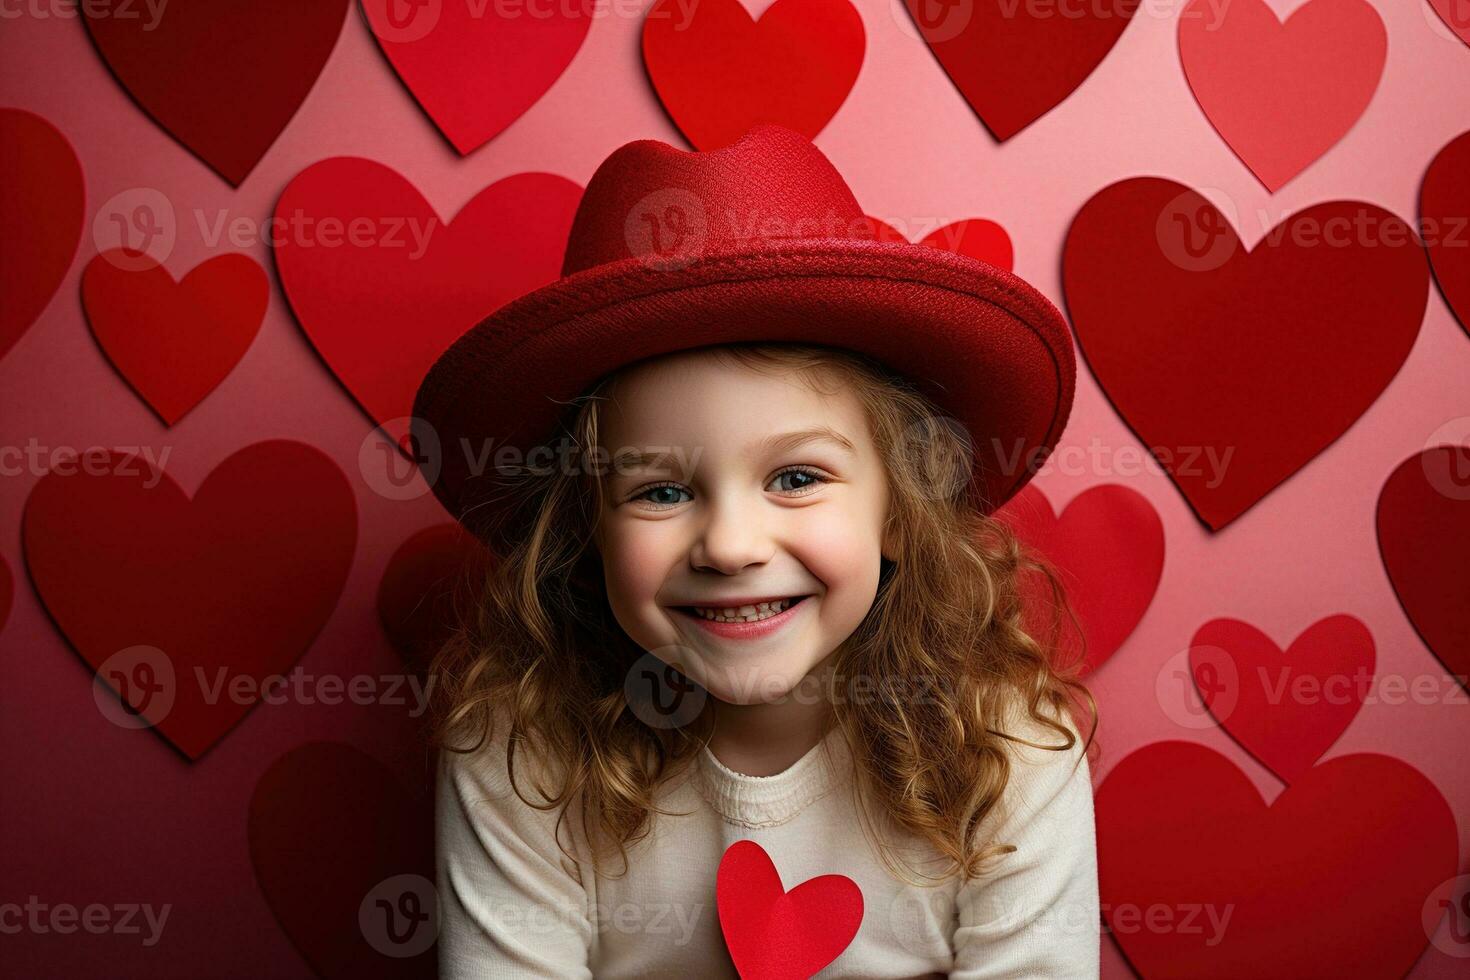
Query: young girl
{"type": "Point", "coordinates": [738, 469]}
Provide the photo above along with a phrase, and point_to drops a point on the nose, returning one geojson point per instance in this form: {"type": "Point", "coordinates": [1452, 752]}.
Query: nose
{"type": "Point", "coordinates": [732, 539]}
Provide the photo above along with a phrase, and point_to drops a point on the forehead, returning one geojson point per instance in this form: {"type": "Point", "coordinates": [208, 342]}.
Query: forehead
{"type": "Point", "coordinates": [696, 397]}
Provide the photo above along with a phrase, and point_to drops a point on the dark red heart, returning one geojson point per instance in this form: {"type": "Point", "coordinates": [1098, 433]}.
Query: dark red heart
{"type": "Point", "coordinates": [344, 855]}
{"type": "Point", "coordinates": [381, 305]}
{"type": "Point", "coordinates": [1013, 64]}
{"type": "Point", "coordinates": [433, 572]}
{"type": "Point", "coordinates": [774, 934]}
{"type": "Point", "coordinates": [232, 586]}
{"type": "Point", "coordinates": [1444, 209]}
{"type": "Point", "coordinates": [1281, 94]}
{"type": "Point", "coordinates": [1424, 537]}
{"type": "Point", "coordinates": [221, 76]}
{"type": "Point", "coordinates": [1284, 707]}
{"type": "Point", "coordinates": [174, 342]}
{"type": "Point", "coordinates": [476, 74]}
{"type": "Point", "coordinates": [1108, 545]}
{"type": "Point", "coordinates": [1329, 880]}
{"type": "Point", "coordinates": [1233, 367]}
{"type": "Point", "coordinates": [719, 72]}
{"type": "Point", "coordinates": [975, 237]}
{"type": "Point", "coordinates": [42, 204]}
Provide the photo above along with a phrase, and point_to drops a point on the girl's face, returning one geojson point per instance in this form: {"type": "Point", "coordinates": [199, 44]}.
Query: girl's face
{"type": "Point", "coordinates": [743, 527]}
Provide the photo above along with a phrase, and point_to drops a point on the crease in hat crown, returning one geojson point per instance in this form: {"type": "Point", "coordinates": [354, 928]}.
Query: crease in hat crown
{"type": "Point", "coordinates": [662, 205]}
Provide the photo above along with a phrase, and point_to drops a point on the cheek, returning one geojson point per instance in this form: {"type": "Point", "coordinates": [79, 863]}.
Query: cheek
{"type": "Point", "coordinates": [843, 548]}
{"type": "Point", "coordinates": [635, 561]}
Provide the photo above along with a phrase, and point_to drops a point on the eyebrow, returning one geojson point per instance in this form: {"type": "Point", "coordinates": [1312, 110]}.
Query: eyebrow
{"type": "Point", "coordinates": [783, 443]}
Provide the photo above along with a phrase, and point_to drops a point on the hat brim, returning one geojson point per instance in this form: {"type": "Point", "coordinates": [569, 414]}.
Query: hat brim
{"type": "Point", "coordinates": [987, 347]}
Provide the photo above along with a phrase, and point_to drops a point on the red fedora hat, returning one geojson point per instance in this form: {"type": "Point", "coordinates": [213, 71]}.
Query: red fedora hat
{"type": "Point", "coordinates": [760, 240]}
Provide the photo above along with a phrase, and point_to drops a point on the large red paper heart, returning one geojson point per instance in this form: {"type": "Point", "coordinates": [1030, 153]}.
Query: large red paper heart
{"type": "Point", "coordinates": [344, 855]}
{"type": "Point", "coordinates": [718, 72]}
{"type": "Point", "coordinates": [1284, 707]}
{"type": "Point", "coordinates": [1230, 365]}
{"type": "Point", "coordinates": [1456, 16]}
{"type": "Point", "coordinates": [1108, 545]}
{"type": "Point", "coordinates": [473, 73]}
{"type": "Point", "coordinates": [1013, 63]}
{"type": "Point", "coordinates": [231, 587]}
{"type": "Point", "coordinates": [223, 77]}
{"type": "Point", "coordinates": [976, 237]}
{"type": "Point", "coordinates": [1424, 537]}
{"type": "Point", "coordinates": [42, 204]}
{"type": "Point", "coordinates": [380, 305]}
{"type": "Point", "coordinates": [1444, 204]}
{"type": "Point", "coordinates": [773, 934]}
{"type": "Point", "coordinates": [174, 342]}
{"type": "Point", "coordinates": [1281, 94]}
{"type": "Point", "coordinates": [1201, 879]}
{"type": "Point", "coordinates": [433, 572]}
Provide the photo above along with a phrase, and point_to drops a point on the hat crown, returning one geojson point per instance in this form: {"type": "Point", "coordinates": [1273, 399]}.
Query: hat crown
{"type": "Point", "coordinates": [669, 207]}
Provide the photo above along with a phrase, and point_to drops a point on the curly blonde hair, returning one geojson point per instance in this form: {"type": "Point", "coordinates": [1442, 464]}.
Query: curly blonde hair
{"type": "Point", "coordinates": [964, 605]}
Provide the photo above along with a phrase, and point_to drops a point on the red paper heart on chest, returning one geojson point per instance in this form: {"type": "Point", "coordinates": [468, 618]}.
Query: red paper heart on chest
{"type": "Point", "coordinates": [774, 934]}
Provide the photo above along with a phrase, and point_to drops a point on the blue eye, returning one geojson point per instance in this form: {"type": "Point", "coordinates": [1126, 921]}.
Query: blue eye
{"type": "Point", "coordinates": [664, 495]}
{"type": "Point", "coordinates": [796, 480]}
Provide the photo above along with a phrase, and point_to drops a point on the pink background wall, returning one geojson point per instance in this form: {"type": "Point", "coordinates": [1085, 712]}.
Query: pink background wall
{"type": "Point", "coordinates": [90, 812]}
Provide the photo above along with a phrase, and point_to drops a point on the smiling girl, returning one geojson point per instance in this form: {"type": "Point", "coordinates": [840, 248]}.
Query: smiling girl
{"type": "Point", "coordinates": [749, 585]}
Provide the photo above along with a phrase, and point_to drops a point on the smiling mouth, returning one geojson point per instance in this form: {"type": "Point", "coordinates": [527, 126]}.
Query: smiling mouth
{"type": "Point", "coordinates": [752, 613]}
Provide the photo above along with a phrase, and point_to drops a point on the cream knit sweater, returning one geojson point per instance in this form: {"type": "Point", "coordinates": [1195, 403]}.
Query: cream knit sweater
{"type": "Point", "coordinates": [512, 906]}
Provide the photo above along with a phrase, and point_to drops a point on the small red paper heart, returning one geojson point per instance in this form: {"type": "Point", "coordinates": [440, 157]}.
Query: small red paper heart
{"type": "Point", "coordinates": [976, 237]}
{"type": "Point", "coordinates": [1424, 537]}
{"type": "Point", "coordinates": [42, 203]}
{"type": "Point", "coordinates": [174, 342]}
{"type": "Point", "coordinates": [773, 934]}
{"type": "Point", "coordinates": [382, 303]}
{"type": "Point", "coordinates": [1281, 94]}
{"type": "Point", "coordinates": [476, 74]}
{"type": "Point", "coordinates": [222, 77]}
{"type": "Point", "coordinates": [230, 587]}
{"type": "Point", "coordinates": [1284, 707]}
{"type": "Point", "coordinates": [344, 855]}
{"type": "Point", "coordinates": [718, 72]}
{"type": "Point", "coordinates": [425, 576]}
{"type": "Point", "coordinates": [1014, 64]}
{"type": "Point", "coordinates": [1200, 878]}
{"type": "Point", "coordinates": [1108, 545]}
{"type": "Point", "coordinates": [1444, 204]}
{"type": "Point", "coordinates": [1230, 365]}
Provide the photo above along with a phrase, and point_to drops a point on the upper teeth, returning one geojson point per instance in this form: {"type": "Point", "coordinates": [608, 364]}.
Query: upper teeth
{"type": "Point", "coordinates": [744, 614]}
